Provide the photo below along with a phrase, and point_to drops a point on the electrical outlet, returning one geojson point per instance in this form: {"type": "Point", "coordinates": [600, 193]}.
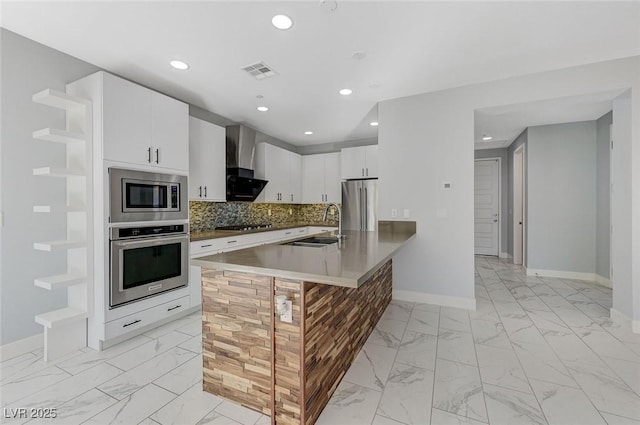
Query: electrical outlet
{"type": "Point", "coordinates": [290, 211]}
{"type": "Point", "coordinates": [405, 213]}
{"type": "Point", "coordinates": [288, 315]}
{"type": "Point", "coordinates": [394, 213]}
{"type": "Point", "coordinates": [332, 211]}
{"type": "Point", "coordinates": [269, 212]}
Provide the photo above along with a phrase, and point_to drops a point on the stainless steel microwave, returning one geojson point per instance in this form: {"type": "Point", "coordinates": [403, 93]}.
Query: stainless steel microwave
{"type": "Point", "coordinates": [144, 196]}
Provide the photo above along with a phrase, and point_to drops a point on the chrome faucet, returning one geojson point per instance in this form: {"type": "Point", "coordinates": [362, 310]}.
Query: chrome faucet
{"type": "Point", "coordinates": [326, 212]}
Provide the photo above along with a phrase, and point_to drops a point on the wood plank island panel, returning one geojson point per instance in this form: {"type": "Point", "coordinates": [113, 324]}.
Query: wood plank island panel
{"type": "Point", "coordinates": [290, 369]}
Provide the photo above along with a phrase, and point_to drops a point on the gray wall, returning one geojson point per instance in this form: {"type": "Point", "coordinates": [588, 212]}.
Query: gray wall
{"type": "Point", "coordinates": [603, 221]}
{"type": "Point", "coordinates": [27, 68]}
{"type": "Point", "coordinates": [505, 199]}
{"type": "Point", "coordinates": [561, 197]}
{"type": "Point", "coordinates": [519, 141]}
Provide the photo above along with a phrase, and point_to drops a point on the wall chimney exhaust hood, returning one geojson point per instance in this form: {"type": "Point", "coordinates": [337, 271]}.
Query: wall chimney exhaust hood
{"type": "Point", "coordinates": [241, 148]}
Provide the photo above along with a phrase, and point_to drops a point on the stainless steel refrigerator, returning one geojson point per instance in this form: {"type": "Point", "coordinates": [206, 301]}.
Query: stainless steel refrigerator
{"type": "Point", "coordinates": [360, 205]}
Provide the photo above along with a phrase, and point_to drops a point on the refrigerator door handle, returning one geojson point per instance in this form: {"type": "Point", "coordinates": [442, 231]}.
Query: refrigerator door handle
{"type": "Point", "coordinates": [366, 212]}
{"type": "Point", "coordinates": [361, 205]}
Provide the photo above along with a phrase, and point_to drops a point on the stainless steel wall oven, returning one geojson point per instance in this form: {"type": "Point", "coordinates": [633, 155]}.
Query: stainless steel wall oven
{"type": "Point", "coordinates": [147, 260]}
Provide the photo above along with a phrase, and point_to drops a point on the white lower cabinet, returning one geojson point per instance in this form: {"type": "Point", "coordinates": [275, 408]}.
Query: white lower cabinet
{"type": "Point", "coordinates": [146, 317]}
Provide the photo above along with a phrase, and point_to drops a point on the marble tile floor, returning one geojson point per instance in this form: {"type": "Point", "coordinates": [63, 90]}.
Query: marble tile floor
{"type": "Point", "coordinates": [535, 351]}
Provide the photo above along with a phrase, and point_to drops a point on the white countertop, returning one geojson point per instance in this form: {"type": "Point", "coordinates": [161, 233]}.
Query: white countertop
{"type": "Point", "coordinates": [349, 263]}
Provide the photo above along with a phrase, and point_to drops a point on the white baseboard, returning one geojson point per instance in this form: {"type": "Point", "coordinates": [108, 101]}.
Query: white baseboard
{"type": "Point", "coordinates": [505, 255]}
{"type": "Point", "coordinates": [22, 346]}
{"type": "Point", "coordinates": [443, 300]}
{"type": "Point", "coordinates": [561, 274]}
{"type": "Point", "coordinates": [624, 320]}
{"type": "Point", "coordinates": [601, 280]}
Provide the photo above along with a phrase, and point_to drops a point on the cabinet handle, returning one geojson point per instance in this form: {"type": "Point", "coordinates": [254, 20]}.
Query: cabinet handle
{"type": "Point", "coordinates": [301, 231]}
{"type": "Point", "coordinates": [173, 308]}
{"type": "Point", "coordinates": [287, 233]}
{"type": "Point", "coordinates": [205, 191]}
{"type": "Point", "coordinates": [367, 171]}
{"type": "Point", "coordinates": [157, 155]}
{"type": "Point", "coordinates": [204, 246]}
{"type": "Point", "coordinates": [200, 187]}
{"type": "Point", "coordinates": [149, 155]}
{"type": "Point", "coordinates": [232, 241]}
{"type": "Point", "coordinates": [132, 323]}
{"type": "Point", "coordinates": [363, 172]}
{"type": "Point", "coordinates": [292, 197]}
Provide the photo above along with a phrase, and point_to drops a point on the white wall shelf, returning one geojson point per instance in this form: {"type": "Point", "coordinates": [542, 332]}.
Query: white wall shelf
{"type": "Point", "coordinates": [65, 330]}
{"type": "Point", "coordinates": [58, 136]}
{"type": "Point", "coordinates": [59, 281]}
{"type": "Point", "coordinates": [60, 317]}
{"type": "Point", "coordinates": [53, 209]}
{"type": "Point", "coordinates": [58, 99]}
{"type": "Point", "coordinates": [57, 172]}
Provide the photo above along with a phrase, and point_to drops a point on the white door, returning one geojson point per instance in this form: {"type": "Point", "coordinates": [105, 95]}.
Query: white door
{"type": "Point", "coordinates": [487, 206]}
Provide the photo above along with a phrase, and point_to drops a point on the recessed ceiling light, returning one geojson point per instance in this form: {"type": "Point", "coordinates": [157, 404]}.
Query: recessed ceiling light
{"type": "Point", "coordinates": [486, 138]}
{"type": "Point", "coordinates": [262, 108]}
{"type": "Point", "coordinates": [373, 123]}
{"type": "Point", "coordinates": [345, 92]}
{"type": "Point", "coordinates": [282, 22]}
{"type": "Point", "coordinates": [179, 65]}
{"type": "Point", "coordinates": [308, 133]}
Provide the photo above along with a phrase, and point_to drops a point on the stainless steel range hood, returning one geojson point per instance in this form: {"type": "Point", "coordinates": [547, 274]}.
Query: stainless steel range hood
{"type": "Point", "coordinates": [241, 148]}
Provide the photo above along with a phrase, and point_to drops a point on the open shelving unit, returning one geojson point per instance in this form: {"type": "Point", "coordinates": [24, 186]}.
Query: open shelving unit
{"type": "Point", "coordinates": [65, 330]}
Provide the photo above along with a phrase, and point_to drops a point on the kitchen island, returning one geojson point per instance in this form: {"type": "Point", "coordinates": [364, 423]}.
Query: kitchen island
{"type": "Point", "coordinates": [337, 292]}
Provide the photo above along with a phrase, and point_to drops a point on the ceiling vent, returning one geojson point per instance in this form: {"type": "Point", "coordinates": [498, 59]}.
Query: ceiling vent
{"type": "Point", "coordinates": [259, 70]}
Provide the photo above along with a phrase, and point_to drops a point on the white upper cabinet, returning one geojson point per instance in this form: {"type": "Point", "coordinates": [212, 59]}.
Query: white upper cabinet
{"type": "Point", "coordinates": [360, 162]}
{"type": "Point", "coordinates": [321, 178]}
{"type": "Point", "coordinates": [139, 126]}
{"type": "Point", "coordinates": [169, 132]}
{"type": "Point", "coordinates": [207, 161]}
{"type": "Point", "coordinates": [283, 171]}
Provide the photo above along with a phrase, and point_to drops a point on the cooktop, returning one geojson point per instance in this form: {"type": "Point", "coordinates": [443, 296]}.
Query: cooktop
{"type": "Point", "coordinates": [244, 227]}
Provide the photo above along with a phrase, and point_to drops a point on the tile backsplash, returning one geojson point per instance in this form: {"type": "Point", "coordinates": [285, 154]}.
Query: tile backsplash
{"type": "Point", "coordinates": [206, 216]}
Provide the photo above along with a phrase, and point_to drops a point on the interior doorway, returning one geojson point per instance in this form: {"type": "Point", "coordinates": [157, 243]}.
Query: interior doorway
{"type": "Point", "coordinates": [519, 199]}
{"type": "Point", "coordinates": [487, 205]}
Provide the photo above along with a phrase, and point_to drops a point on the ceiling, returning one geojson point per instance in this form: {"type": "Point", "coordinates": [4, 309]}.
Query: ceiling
{"type": "Point", "coordinates": [410, 48]}
{"type": "Point", "coordinates": [505, 123]}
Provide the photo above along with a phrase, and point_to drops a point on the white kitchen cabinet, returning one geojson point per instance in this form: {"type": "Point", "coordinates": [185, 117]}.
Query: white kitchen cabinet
{"type": "Point", "coordinates": [321, 178]}
{"type": "Point", "coordinates": [360, 162]}
{"type": "Point", "coordinates": [169, 132]}
{"type": "Point", "coordinates": [139, 126]}
{"type": "Point", "coordinates": [283, 170]}
{"type": "Point", "coordinates": [207, 161]}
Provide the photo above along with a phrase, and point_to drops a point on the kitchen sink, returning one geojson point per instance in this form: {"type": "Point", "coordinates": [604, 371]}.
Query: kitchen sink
{"type": "Point", "coordinates": [314, 241]}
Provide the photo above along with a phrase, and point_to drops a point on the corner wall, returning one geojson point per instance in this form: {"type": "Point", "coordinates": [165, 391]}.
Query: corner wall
{"type": "Point", "coordinates": [561, 197]}
{"type": "Point", "coordinates": [427, 139]}
{"type": "Point", "coordinates": [603, 206]}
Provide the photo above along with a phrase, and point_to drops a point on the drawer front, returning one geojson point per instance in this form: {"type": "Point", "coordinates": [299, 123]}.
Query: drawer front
{"type": "Point", "coordinates": [145, 317]}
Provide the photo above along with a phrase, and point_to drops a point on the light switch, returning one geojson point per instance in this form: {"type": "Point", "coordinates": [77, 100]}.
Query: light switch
{"type": "Point", "coordinates": [394, 213]}
{"type": "Point", "coordinates": [405, 213]}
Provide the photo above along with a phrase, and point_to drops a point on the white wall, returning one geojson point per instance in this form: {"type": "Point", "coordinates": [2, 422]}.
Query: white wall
{"type": "Point", "coordinates": [561, 197]}
{"type": "Point", "coordinates": [27, 68]}
{"type": "Point", "coordinates": [603, 200]}
{"type": "Point", "coordinates": [427, 139]}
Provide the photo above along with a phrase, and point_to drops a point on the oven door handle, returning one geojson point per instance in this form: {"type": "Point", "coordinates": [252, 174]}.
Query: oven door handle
{"type": "Point", "coordinates": [158, 240]}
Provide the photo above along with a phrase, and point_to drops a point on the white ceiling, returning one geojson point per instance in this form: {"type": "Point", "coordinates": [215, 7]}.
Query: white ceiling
{"type": "Point", "coordinates": [411, 47]}
{"type": "Point", "coordinates": [505, 123]}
